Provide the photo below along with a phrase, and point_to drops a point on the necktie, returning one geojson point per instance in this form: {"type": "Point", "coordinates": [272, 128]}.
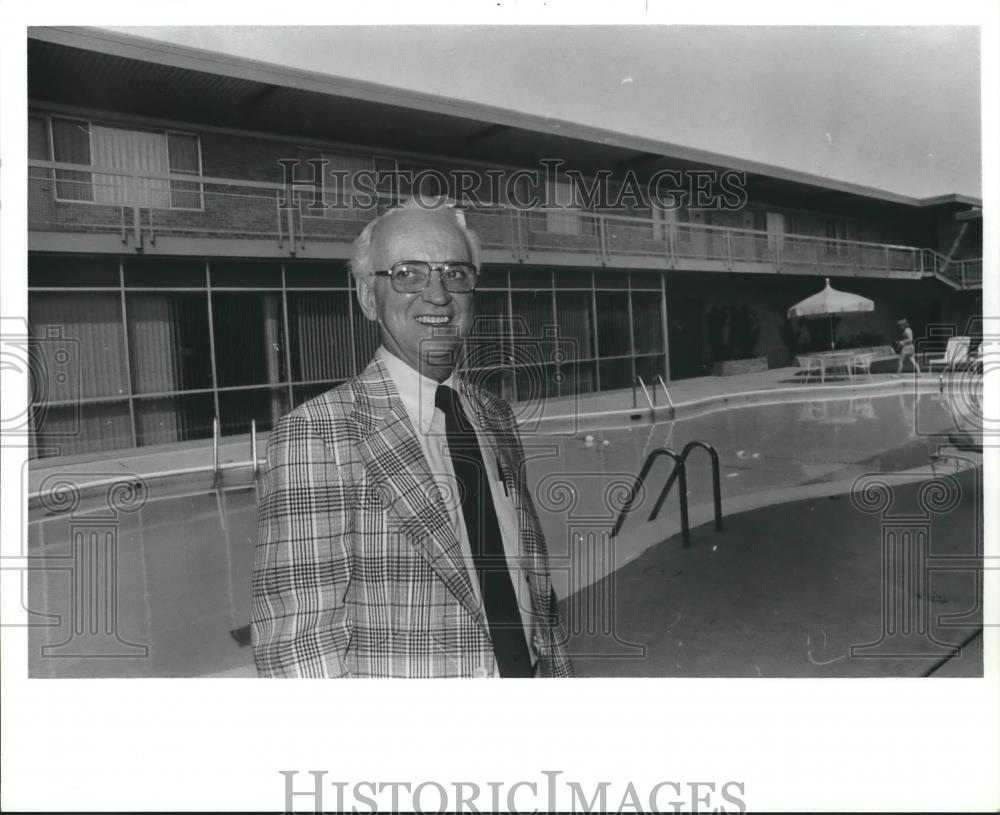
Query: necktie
{"type": "Point", "coordinates": [492, 571]}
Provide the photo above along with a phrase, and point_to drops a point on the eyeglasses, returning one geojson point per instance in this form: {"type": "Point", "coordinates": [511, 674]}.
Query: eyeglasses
{"type": "Point", "coordinates": [412, 276]}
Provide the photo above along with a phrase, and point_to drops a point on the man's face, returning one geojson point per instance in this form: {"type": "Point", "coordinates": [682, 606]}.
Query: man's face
{"type": "Point", "coordinates": [424, 329]}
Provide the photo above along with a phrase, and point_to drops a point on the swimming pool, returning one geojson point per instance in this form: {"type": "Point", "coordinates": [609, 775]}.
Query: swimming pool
{"type": "Point", "coordinates": [178, 568]}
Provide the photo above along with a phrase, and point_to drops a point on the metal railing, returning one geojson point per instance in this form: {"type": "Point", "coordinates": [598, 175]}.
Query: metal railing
{"type": "Point", "coordinates": [142, 207]}
{"type": "Point", "coordinates": [217, 469]}
{"type": "Point", "coordinates": [659, 378]}
{"type": "Point", "coordinates": [678, 474]}
{"type": "Point", "coordinates": [645, 392]}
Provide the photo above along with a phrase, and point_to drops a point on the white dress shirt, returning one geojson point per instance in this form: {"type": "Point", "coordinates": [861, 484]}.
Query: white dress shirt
{"type": "Point", "coordinates": [417, 393]}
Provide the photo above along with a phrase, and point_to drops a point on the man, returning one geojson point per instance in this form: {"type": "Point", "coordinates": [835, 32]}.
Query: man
{"type": "Point", "coordinates": [396, 533]}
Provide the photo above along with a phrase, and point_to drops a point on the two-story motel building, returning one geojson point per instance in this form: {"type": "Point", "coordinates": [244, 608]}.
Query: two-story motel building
{"type": "Point", "coordinates": [167, 254]}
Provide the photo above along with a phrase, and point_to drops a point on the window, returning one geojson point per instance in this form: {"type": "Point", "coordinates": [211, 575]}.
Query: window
{"type": "Point", "coordinates": [184, 158]}
{"type": "Point", "coordinates": [386, 180]}
{"type": "Point", "coordinates": [614, 335]}
{"type": "Point", "coordinates": [837, 233]}
{"type": "Point", "coordinates": [339, 195]}
{"type": "Point", "coordinates": [663, 219]}
{"type": "Point", "coordinates": [137, 160]}
{"type": "Point", "coordinates": [574, 316]}
{"type": "Point", "coordinates": [776, 229]}
{"type": "Point", "coordinates": [40, 204]}
{"type": "Point", "coordinates": [565, 220]}
{"type": "Point", "coordinates": [80, 345]}
{"type": "Point", "coordinates": [71, 145]}
{"type": "Point", "coordinates": [136, 156]}
{"type": "Point", "coordinates": [38, 146]}
{"type": "Point", "coordinates": [168, 341]}
{"type": "Point", "coordinates": [319, 326]}
{"type": "Point", "coordinates": [249, 341]}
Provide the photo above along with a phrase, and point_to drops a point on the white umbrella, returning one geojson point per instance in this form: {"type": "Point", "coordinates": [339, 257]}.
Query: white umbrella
{"type": "Point", "coordinates": [829, 302]}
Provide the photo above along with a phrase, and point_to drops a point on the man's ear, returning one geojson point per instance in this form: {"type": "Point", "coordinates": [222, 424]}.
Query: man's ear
{"type": "Point", "coordinates": [364, 287]}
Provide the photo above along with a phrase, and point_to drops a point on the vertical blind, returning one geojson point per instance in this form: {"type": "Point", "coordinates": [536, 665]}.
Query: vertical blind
{"type": "Point", "coordinates": [135, 151]}
{"type": "Point", "coordinates": [576, 322]}
{"type": "Point", "coordinates": [320, 329]}
{"type": "Point", "coordinates": [93, 362]}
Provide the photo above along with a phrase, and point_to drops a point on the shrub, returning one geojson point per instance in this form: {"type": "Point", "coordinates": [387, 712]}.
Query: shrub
{"type": "Point", "coordinates": [733, 332]}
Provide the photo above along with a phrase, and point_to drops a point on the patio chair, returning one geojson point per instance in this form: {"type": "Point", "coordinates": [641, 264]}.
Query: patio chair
{"type": "Point", "coordinates": [954, 354]}
{"type": "Point", "coordinates": [861, 364]}
{"type": "Point", "coordinates": [812, 365]}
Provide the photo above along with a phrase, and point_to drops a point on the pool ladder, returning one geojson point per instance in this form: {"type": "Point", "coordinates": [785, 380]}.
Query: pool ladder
{"type": "Point", "coordinates": [650, 400]}
{"type": "Point", "coordinates": [678, 474]}
{"type": "Point", "coordinates": [217, 468]}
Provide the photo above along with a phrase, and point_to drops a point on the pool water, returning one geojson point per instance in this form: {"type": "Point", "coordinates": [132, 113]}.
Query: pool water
{"type": "Point", "coordinates": [180, 567]}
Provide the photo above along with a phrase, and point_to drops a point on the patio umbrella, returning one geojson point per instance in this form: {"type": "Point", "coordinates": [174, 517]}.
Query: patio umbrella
{"type": "Point", "coordinates": [830, 302]}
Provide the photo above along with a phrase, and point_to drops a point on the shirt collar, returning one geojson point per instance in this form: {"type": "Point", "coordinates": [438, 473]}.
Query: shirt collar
{"type": "Point", "coordinates": [416, 391]}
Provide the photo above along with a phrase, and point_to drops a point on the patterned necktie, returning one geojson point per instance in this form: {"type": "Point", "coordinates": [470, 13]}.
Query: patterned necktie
{"type": "Point", "coordinates": [499, 599]}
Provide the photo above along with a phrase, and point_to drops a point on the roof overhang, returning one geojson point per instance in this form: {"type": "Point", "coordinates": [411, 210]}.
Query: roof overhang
{"type": "Point", "coordinates": [115, 73]}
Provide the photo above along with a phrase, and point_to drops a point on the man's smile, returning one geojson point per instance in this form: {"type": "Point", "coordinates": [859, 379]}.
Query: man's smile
{"type": "Point", "coordinates": [434, 319]}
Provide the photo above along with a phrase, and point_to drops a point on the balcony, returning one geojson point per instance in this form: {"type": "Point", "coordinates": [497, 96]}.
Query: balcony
{"type": "Point", "coordinates": [185, 214]}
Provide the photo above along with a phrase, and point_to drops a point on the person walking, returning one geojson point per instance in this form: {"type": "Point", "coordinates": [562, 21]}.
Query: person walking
{"type": "Point", "coordinates": [906, 347]}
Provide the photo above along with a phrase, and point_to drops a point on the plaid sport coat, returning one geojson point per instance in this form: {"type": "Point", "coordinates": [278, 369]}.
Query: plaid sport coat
{"type": "Point", "coordinates": [357, 569]}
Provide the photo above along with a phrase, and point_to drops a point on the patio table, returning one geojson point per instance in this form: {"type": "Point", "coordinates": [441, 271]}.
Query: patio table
{"type": "Point", "coordinates": [830, 361]}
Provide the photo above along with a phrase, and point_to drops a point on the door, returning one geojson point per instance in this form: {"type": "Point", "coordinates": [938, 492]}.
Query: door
{"type": "Point", "coordinates": [686, 331]}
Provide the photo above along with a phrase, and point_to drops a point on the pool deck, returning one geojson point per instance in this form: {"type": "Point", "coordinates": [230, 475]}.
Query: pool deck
{"type": "Point", "coordinates": [761, 598]}
{"type": "Point", "coordinates": [796, 590]}
{"type": "Point", "coordinates": [691, 397]}
{"type": "Point", "coordinates": [190, 464]}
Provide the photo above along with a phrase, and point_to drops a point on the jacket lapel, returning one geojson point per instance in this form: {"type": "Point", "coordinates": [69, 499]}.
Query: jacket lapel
{"type": "Point", "coordinates": [396, 465]}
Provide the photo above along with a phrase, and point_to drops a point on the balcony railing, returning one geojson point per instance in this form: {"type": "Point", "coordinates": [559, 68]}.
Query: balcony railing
{"type": "Point", "coordinates": [143, 207]}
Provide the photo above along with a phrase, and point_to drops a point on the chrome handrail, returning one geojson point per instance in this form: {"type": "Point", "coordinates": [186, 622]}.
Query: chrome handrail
{"type": "Point", "coordinates": [216, 473]}
{"type": "Point", "coordinates": [679, 474]}
{"type": "Point", "coordinates": [640, 481]}
{"type": "Point", "coordinates": [645, 391]}
{"type": "Point", "coordinates": [659, 378]}
{"type": "Point", "coordinates": [253, 448]}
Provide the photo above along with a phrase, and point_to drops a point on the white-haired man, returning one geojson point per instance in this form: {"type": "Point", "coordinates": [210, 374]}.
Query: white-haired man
{"type": "Point", "coordinates": [396, 533]}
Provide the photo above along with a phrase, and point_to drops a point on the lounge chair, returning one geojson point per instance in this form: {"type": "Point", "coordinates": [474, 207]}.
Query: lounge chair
{"type": "Point", "coordinates": [974, 361]}
{"type": "Point", "coordinates": [954, 354]}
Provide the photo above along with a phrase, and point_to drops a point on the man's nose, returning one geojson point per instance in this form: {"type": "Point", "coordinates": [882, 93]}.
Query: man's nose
{"type": "Point", "coordinates": [434, 291]}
